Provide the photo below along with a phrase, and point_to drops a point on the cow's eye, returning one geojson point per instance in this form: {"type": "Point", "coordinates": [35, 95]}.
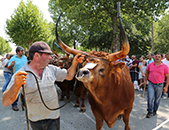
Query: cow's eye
{"type": "Point", "coordinates": [101, 71]}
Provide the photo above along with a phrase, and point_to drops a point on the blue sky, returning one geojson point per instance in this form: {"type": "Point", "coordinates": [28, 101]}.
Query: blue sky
{"type": "Point", "coordinates": [7, 9]}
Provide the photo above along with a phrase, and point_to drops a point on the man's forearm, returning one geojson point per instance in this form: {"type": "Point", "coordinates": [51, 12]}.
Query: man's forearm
{"type": "Point", "coordinates": [10, 67]}
{"type": "Point", "coordinates": [71, 72]}
{"type": "Point", "coordinates": [9, 96]}
{"type": "Point", "coordinates": [146, 75]}
{"type": "Point", "coordinates": [167, 82]}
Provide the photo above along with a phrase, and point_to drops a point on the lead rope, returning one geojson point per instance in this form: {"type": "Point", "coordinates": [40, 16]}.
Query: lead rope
{"type": "Point", "coordinates": [26, 113]}
{"type": "Point", "coordinates": [52, 109]}
{"type": "Point", "coordinates": [26, 110]}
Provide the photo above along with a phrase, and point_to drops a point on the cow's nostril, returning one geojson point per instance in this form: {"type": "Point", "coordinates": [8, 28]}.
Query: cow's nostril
{"type": "Point", "coordinates": [86, 72]}
{"type": "Point", "coordinates": [83, 72]}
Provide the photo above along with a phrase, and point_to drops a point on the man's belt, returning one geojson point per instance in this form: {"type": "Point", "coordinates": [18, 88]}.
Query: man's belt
{"type": "Point", "coordinates": [7, 72]}
{"type": "Point", "coordinates": [155, 83]}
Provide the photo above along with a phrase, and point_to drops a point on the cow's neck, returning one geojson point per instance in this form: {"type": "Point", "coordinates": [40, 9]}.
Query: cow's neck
{"type": "Point", "coordinates": [97, 96]}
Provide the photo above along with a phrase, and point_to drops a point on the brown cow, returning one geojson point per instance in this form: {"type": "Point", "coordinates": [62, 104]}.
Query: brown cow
{"type": "Point", "coordinates": [66, 86]}
{"type": "Point", "coordinates": [111, 91]}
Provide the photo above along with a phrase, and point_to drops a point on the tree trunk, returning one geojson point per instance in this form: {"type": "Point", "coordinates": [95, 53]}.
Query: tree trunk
{"type": "Point", "coordinates": [74, 44]}
{"type": "Point", "coordinates": [152, 40]}
{"type": "Point", "coordinates": [115, 44]}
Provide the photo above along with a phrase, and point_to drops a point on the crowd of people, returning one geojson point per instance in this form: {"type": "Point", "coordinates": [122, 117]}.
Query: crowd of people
{"type": "Point", "coordinates": [153, 72]}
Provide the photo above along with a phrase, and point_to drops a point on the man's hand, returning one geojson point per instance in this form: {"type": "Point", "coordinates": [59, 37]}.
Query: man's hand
{"type": "Point", "coordinates": [12, 63]}
{"type": "Point", "coordinates": [78, 58]}
{"type": "Point", "coordinates": [165, 89]}
{"type": "Point", "coordinates": [20, 79]}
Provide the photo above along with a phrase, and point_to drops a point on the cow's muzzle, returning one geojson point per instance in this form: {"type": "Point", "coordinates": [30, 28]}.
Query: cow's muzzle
{"type": "Point", "coordinates": [82, 73]}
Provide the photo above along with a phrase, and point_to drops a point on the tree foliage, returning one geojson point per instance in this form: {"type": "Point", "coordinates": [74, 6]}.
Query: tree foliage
{"type": "Point", "coordinates": [4, 46]}
{"type": "Point", "coordinates": [98, 21]}
{"type": "Point", "coordinates": [27, 25]}
{"type": "Point", "coordinates": [161, 35]}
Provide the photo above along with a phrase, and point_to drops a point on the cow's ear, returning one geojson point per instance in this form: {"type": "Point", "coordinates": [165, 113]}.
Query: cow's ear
{"type": "Point", "coordinates": [120, 65]}
{"type": "Point", "coordinates": [117, 66]}
{"type": "Point", "coordinates": [116, 72]}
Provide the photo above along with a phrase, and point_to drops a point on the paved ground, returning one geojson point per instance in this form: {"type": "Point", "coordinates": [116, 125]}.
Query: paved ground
{"type": "Point", "coordinates": [71, 119]}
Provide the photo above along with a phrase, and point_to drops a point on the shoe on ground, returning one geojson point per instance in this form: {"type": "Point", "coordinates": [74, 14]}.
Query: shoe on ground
{"type": "Point", "coordinates": [15, 108]}
{"type": "Point", "coordinates": [140, 89]}
{"type": "Point", "coordinates": [154, 113]}
{"type": "Point", "coordinates": [149, 114]}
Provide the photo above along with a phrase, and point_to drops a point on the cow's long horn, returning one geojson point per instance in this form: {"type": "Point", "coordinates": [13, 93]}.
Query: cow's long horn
{"type": "Point", "coordinates": [126, 47]}
{"type": "Point", "coordinates": [64, 46]}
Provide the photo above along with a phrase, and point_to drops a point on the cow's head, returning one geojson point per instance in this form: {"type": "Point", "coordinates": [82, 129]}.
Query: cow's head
{"type": "Point", "coordinates": [103, 66]}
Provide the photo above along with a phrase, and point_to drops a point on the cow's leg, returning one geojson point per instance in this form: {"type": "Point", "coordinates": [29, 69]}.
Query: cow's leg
{"type": "Point", "coordinates": [67, 93]}
{"type": "Point", "coordinates": [126, 118]}
{"type": "Point", "coordinates": [82, 108]}
{"type": "Point", "coordinates": [83, 96]}
{"type": "Point", "coordinates": [99, 121]}
{"type": "Point", "coordinates": [62, 96]}
{"type": "Point", "coordinates": [98, 118]}
{"type": "Point", "coordinates": [77, 102]}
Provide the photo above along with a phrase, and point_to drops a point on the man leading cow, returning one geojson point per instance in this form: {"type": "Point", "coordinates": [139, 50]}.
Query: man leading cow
{"type": "Point", "coordinates": [38, 115]}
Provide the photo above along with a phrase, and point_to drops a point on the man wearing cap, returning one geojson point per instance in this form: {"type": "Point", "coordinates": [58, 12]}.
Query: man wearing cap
{"type": "Point", "coordinates": [15, 63]}
{"type": "Point", "coordinates": [39, 116]}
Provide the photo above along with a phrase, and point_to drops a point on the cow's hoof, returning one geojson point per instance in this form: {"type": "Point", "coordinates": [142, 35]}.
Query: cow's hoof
{"type": "Point", "coordinates": [61, 99]}
{"type": "Point", "coordinates": [67, 100]}
{"type": "Point", "coordinates": [76, 106]}
{"type": "Point", "coordinates": [82, 110]}
{"type": "Point", "coordinates": [119, 117]}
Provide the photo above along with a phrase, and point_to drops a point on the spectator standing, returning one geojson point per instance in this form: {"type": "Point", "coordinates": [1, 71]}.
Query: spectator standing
{"type": "Point", "coordinates": [163, 56]}
{"type": "Point", "coordinates": [142, 71]}
{"type": "Point", "coordinates": [39, 116]}
{"type": "Point", "coordinates": [155, 74]}
{"type": "Point", "coordinates": [150, 59]}
{"type": "Point", "coordinates": [128, 61]}
{"type": "Point", "coordinates": [15, 63]}
{"type": "Point", "coordinates": [6, 72]}
{"type": "Point", "coordinates": [166, 61]}
{"type": "Point", "coordinates": [134, 69]}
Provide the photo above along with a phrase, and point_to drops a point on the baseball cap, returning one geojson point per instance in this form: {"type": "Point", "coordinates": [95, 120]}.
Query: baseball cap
{"type": "Point", "coordinates": [40, 46]}
{"type": "Point", "coordinates": [19, 48]}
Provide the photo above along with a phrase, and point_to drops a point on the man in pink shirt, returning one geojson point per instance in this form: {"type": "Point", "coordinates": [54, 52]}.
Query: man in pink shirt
{"type": "Point", "coordinates": [155, 73]}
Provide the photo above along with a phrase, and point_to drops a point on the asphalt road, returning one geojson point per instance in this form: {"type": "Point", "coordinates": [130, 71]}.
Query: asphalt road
{"type": "Point", "coordinates": [71, 119]}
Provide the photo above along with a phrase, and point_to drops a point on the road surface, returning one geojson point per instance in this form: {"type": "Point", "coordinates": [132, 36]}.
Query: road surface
{"type": "Point", "coordinates": [71, 119]}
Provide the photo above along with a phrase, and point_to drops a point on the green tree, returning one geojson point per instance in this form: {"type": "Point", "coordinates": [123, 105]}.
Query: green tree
{"type": "Point", "coordinates": [161, 39]}
{"type": "Point", "coordinates": [101, 15]}
{"type": "Point", "coordinates": [27, 25]}
{"type": "Point", "coordinates": [4, 46]}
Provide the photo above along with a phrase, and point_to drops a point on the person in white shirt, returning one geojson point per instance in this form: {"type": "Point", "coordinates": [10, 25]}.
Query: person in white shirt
{"type": "Point", "coordinates": [166, 61]}
{"type": "Point", "coordinates": [6, 72]}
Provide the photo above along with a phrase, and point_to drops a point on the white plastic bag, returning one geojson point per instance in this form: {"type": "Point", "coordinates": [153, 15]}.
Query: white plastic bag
{"type": "Point", "coordinates": [136, 84]}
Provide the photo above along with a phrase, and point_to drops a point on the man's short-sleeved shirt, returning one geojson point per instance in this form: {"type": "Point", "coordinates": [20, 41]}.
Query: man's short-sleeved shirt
{"type": "Point", "coordinates": [5, 69]}
{"type": "Point", "coordinates": [36, 109]}
{"type": "Point", "coordinates": [157, 73]}
{"type": "Point", "coordinates": [149, 61]}
{"type": "Point", "coordinates": [165, 61]}
{"type": "Point", "coordinates": [19, 62]}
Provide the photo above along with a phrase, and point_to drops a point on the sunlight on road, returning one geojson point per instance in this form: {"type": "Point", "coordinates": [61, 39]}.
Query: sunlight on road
{"type": "Point", "coordinates": [6, 118]}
